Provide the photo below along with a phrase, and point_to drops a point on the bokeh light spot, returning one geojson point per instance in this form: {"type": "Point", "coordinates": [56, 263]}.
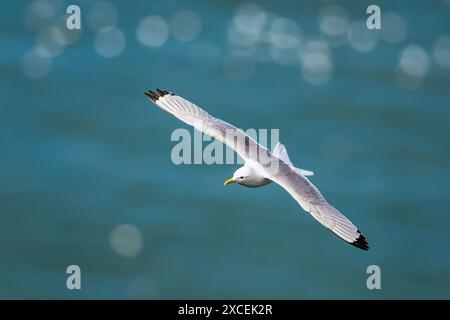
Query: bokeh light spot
{"type": "Point", "coordinates": [185, 25]}
{"type": "Point", "coordinates": [35, 64]}
{"type": "Point", "coordinates": [334, 24]}
{"type": "Point", "coordinates": [394, 29]}
{"type": "Point", "coordinates": [109, 42]}
{"type": "Point", "coordinates": [101, 15]}
{"type": "Point", "coordinates": [126, 240]}
{"type": "Point", "coordinates": [361, 38]}
{"type": "Point", "coordinates": [152, 31]}
{"type": "Point", "coordinates": [441, 52]}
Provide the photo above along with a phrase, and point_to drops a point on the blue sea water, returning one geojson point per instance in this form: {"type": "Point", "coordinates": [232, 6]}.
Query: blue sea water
{"type": "Point", "coordinates": [84, 154]}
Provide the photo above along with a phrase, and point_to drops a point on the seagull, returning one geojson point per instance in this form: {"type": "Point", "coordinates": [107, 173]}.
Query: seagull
{"type": "Point", "coordinates": [262, 166]}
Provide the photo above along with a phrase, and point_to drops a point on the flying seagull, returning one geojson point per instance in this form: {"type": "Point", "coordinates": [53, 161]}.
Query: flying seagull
{"type": "Point", "coordinates": [262, 166]}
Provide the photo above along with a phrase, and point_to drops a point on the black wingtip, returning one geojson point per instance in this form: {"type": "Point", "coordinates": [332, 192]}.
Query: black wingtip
{"type": "Point", "coordinates": [360, 242]}
{"type": "Point", "coordinates": [162, 92]}
{"type": "Point", "coordinates": [152, 95]}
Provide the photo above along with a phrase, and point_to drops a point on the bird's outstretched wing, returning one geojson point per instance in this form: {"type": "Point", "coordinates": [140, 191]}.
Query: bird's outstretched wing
{"type": "Point", "coordinates": [312, 201]}
{"type": "Point", "coordinates": [195, 116]}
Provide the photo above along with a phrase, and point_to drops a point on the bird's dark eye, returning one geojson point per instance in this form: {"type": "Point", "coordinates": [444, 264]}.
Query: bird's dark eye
{"type": "Point", "coordinates": [241, 177]}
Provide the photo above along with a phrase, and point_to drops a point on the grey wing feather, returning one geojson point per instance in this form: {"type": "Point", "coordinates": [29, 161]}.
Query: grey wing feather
{"type": "Point", "coordinates": [312, 201]}
{"type": "Point", "coordinates": [195, 116]}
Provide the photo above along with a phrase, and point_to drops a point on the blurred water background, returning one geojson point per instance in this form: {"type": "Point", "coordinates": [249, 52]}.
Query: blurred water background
{"type": "Point", "coordinates": [85, 169]}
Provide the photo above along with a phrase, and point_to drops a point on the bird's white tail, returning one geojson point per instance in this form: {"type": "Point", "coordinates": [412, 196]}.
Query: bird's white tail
{"type": "Point", "coordinates": [280, 152]}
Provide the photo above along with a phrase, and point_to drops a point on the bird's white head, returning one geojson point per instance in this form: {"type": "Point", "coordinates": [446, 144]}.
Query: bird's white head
{"type": "Point", "coordinates": [240, 176]}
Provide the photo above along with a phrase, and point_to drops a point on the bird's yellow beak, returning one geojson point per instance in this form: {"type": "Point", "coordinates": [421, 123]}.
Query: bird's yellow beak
{"type": "Point", "coordinates": [231, 180]}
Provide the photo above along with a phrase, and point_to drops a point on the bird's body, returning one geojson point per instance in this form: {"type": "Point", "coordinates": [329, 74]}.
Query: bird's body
{"type": "Point", "coordinates": [263, 166]}
{"type": "Point", "coordinates": [253, 174]}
